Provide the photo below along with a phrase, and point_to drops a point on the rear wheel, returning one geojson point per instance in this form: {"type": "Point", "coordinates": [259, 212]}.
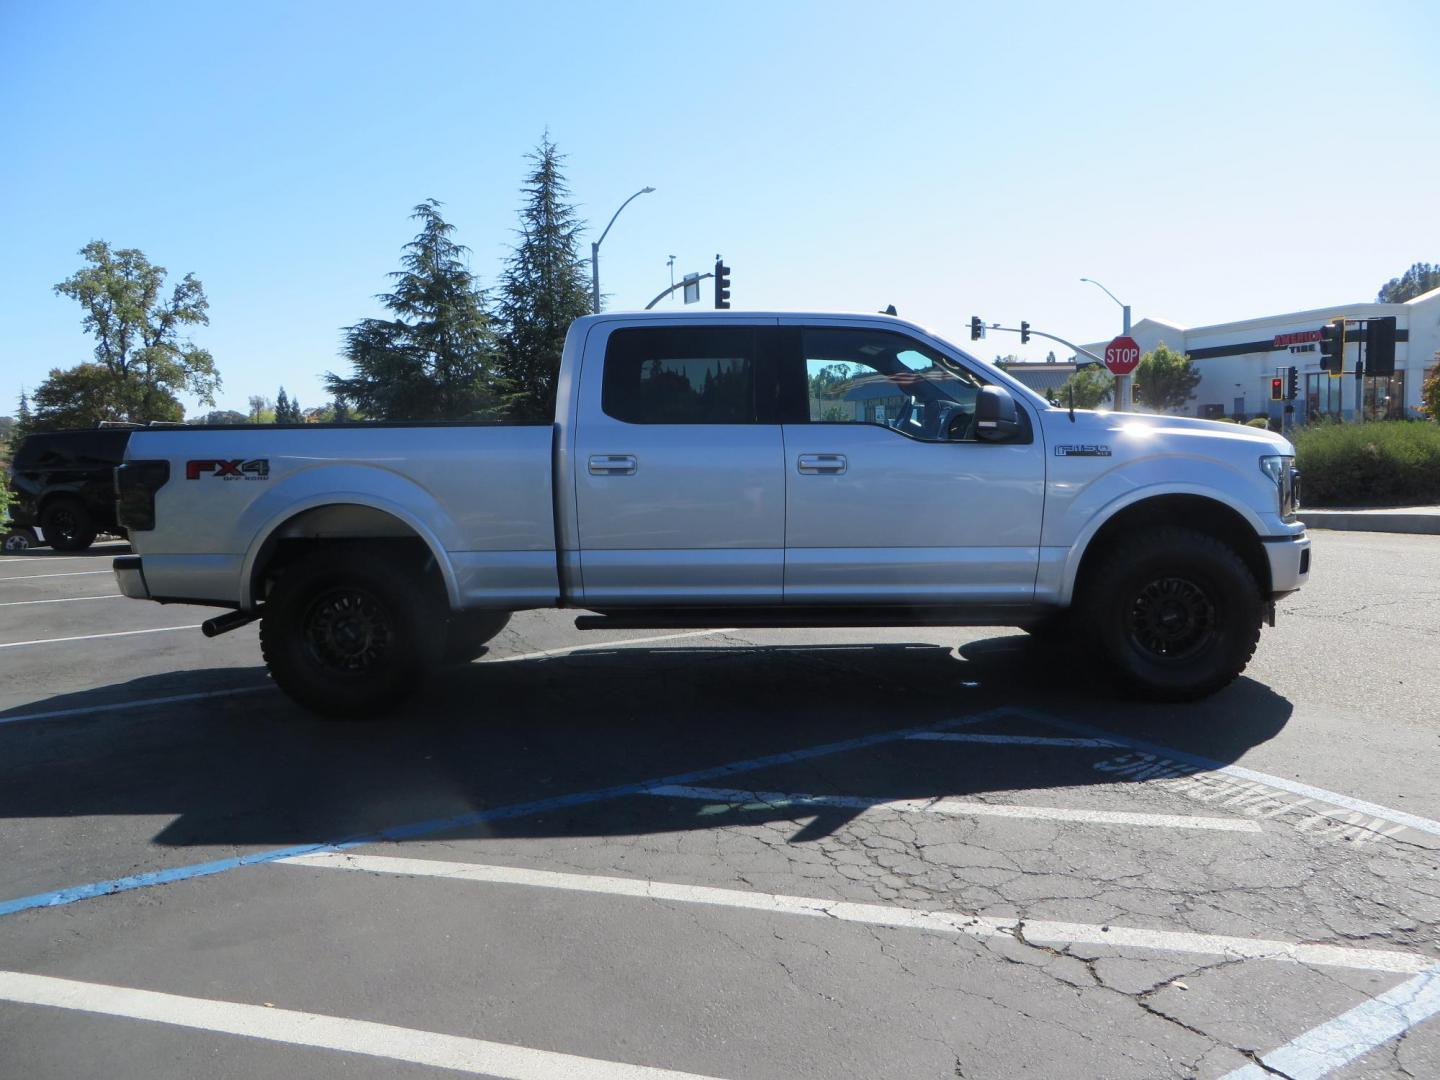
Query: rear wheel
{"type": "Point", "coordinates": [18, 540]}
{"type": "Point", "coordinates": [67, 525]}
{"type": "Point", "coordinates": [347, 636]}
{"type": "Point", "coordinates": [1176, 614]}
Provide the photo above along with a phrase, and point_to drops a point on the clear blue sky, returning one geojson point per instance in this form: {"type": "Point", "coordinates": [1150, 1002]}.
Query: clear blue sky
{"type": "Point", "coordinates": [1206, 162]}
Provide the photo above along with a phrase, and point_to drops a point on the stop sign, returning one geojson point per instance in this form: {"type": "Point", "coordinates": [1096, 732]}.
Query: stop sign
{"type": "Point", "coordinates": [1121, 355]}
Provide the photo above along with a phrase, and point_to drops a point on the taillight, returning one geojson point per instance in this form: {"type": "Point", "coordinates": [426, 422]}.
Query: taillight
{"type": "Point", "coordinates": [135, 485]}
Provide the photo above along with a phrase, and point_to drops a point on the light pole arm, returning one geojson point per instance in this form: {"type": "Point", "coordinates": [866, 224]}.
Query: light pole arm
{"type": "Point", "coordinates": [1050, 337]}
{"type": "Point", "coordinates": [672, 288]}
{"type": "Point", "coordinates": [595, 251]}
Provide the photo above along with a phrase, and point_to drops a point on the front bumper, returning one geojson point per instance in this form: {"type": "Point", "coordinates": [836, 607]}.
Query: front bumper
{"type": "Point", "coordinates": [130, 576]}
{"type": "Point", "coordinates": [1289, 562]}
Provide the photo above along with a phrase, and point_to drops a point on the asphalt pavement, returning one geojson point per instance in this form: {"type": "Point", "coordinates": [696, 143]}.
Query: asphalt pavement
{"type": "Point", "coordinates": [936, 852]}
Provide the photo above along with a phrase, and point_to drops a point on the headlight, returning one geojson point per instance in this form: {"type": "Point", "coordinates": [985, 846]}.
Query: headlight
{"type": "Point", "coordinates": [1281, 469]}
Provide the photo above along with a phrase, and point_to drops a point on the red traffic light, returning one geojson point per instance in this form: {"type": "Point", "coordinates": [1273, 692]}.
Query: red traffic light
{"type": "Point", "coordinates": [1277, 389]}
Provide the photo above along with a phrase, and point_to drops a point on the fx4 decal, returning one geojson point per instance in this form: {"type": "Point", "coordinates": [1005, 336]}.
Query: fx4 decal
{"type": "Point", "coordinates": [1082, 451]}
{"type": "Point", "coordinates": [239, 469]}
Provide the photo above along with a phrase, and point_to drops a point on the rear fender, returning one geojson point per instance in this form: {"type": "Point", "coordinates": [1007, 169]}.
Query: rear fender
{"type": "Point", "coordinates": [346, 485]}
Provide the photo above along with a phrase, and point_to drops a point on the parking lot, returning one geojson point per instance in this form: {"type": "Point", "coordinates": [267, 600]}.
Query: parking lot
{"type": "Point", "coordinates": [749, 855]}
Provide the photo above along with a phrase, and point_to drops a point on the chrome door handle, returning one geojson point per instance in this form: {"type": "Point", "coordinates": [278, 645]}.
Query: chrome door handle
{"type": "Point", "coordinates": [613, 464]}
{"type": "Point", "coordinates": [821, 464]}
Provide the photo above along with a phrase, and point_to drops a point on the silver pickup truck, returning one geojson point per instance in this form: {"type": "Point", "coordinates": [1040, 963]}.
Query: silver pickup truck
{"type": "Point", "coordinates": [725, 469]}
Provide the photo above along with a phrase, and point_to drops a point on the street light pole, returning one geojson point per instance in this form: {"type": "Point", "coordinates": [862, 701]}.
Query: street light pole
{"type": "Point", "coordinates": [595, 251]}
{"type": "Point", "coordinates": [1122, 382]}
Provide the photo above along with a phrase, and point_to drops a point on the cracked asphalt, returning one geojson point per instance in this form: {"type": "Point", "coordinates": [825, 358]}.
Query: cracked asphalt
{"type": "Point", "coordinates": [753, 855]}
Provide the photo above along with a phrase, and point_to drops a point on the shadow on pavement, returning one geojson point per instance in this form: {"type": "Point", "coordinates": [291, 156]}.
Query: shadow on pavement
{"type": "Point", "coordinates": [253, 769]}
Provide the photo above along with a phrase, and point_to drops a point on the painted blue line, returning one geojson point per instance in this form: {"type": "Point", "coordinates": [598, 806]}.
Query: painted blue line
{"type": "Point", "coordinates": [417, 829]}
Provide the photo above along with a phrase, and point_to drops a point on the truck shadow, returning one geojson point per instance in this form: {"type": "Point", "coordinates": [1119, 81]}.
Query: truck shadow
{"type": "Point", "coordinates": [252, 769]}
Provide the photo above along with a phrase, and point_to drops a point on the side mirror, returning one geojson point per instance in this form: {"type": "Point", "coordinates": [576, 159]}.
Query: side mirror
{"type": "Point", "coordinates": [997, 418]}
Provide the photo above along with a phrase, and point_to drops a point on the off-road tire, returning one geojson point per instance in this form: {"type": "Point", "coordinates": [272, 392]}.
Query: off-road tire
{"type": "Point", "coordinates": [468, 631]}
{"type": "Point", "coordinates": [1175, 613]}
{"type": "Point", "coordinates": [346, 635]}
{"type": "Point", "coordinates": [67, 524]}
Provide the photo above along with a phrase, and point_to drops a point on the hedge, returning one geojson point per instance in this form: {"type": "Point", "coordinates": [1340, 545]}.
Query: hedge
{"type": "Point", "coordinates": [1387, 463]}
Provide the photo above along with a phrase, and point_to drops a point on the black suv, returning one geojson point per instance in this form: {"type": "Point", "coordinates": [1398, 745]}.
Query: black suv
{"type": "Point", "coordinates": [65, 483]}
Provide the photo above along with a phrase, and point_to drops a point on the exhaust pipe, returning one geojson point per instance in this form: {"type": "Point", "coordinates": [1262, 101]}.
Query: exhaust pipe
{"type": "Point", "coordinates": [231, 620]}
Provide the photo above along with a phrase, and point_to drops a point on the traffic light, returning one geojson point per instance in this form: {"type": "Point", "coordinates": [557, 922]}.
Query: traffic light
{"type": "Point", "coordinates": [1024, 333]}
{"type": "Point", "coordinates": [1380, 346]}
{"type": "Point", "coordinates": [1292, 384]}
{"type": "Point", "coordinates": [1332, 347]}
{"type": "Point", "coordinates": [1277, 389]}
{"type": "Point", "coordinates": [977, 331]}
{"type": "Point", "coordinates": [722, 285]}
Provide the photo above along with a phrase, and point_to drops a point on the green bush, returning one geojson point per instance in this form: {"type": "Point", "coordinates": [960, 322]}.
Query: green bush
{"type": "Point", "coordinates": [1259, 421]}
{"type": "Point", "coordinates": [1389, 463]}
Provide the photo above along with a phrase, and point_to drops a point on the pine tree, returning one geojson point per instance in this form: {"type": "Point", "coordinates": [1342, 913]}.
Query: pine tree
{"type": "Point", "coordinates": [543, 289]}
{"type": "Point", "coordinates": [282, 407]}
{"type": "Point", "coordinates": [436, 359]}
{"type": "Point", "coordinates": [24, 419]}
{"type": "Point", "coordinates": [341, 412]}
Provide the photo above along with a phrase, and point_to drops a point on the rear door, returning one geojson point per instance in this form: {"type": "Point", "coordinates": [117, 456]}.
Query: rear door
{"type": "Point", "coordinates": [679, 466]}
{"type": "Point", "coordinates": [891, 499]}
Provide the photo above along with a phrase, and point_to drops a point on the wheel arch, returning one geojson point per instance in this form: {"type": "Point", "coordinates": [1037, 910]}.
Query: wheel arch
{"type": "Point", "coordinates": [1200, 511]}
{"type": "Point", "coordinates": [338, 519]}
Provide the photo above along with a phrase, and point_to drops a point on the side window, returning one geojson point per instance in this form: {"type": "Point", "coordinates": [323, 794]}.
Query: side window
{"type": "Point", "coordinates": [878, 377]}
{"type": "Point", "coordinates": [680, 375]}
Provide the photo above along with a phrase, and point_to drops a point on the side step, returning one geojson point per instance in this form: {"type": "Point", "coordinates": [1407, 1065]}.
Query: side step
{"type": "Point", "coordinates": [781, 618]}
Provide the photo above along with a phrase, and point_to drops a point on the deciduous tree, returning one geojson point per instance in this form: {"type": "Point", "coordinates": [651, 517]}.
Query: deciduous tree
{"type": "Point", "coordinates": [1092, 385]}
{"type": "Point", "coordinates": [88, 393]}
{"type": "Point", "coordinates": [1165, 379]}
{"type": "Point", "coordinates": [1420, 278]}
{"type": "Point", "coordinates": [138, 333]}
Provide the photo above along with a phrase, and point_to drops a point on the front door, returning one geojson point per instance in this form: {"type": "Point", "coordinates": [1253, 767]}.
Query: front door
{"type": "Point", "coordinates": [891, 498]}
{"type": "Point", "coordinates": [679, 467]}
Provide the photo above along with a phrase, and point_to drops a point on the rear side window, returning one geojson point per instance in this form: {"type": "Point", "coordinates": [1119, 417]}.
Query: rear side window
{"type": "Point", "coordinates": [680, 375]}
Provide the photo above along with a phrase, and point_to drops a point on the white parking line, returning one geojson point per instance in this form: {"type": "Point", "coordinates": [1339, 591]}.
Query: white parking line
{"type": "Point", "coordinates": [94, 637]}
{"type": "Point", "coordinates": [456, 1052]}
{"type": "Point", "coordinates": [62, 600]}
{"type": "Point", "coordinates": [71, 573]}
{"type": "Point", "coordinates": [1044, 932]}
{"type": "Point", "coordinates": [56, 714]}
{"type": "Point", "coordinates": [759, 799]}
{"type": "Point", "coordinates": [1013, 740]}
{"type": "Point", "coordinates": [1322, 1050]}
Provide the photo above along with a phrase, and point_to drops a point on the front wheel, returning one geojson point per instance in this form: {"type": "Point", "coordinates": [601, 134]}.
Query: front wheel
{"type": "Point", "coordinates": [1175, 613]}
{"type": "Point", "coordinates": [346, 636]}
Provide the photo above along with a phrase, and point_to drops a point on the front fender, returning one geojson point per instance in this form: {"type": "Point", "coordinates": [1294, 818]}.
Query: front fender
{"type": "Point", "coordinates": [354, 485]}
{"type": "Point", "coordinates": [1070, 568]}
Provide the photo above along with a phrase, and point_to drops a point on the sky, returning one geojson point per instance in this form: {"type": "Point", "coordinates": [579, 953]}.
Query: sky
{"type": "Point", "coordinates": [1205, 162]}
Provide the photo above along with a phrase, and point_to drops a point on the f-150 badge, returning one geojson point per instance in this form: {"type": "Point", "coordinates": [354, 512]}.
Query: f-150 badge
{"type": "Point", "coordinates": [1082, 451]}
{"type": "Point", "coordinates": [239, 469]}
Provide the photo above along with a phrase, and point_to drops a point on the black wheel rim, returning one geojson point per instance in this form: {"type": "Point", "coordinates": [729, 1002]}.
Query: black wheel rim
{"type": "Point", "coordinates": [348, 631]}
{"type": "Point", "coordinates": [64, 525]}
{"type": "Point", "coordinates": [1172, 618]}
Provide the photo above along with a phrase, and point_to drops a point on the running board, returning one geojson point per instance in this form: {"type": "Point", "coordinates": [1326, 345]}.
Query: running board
{"type": "Point", "coordinates": [787, 618]}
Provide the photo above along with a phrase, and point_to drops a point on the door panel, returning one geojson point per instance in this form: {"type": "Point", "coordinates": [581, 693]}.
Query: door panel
{"type": "Point", "coordinates": [910, 521]}
{"type": "Point", "coordinates": [890, 498]}
{"type": "Point", "coordinates": [686, 512]}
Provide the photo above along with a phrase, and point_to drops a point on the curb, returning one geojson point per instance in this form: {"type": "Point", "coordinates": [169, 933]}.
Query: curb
{"type": "Point", "coordinates": [1389, 521]}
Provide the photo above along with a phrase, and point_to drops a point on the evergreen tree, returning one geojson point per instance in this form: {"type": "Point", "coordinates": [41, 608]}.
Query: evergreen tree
{"type": "Point", "coordinates": [1420, 278]}
{"type": "Point", "coordinates": [436, 359]}
{"type": "Point", "coordinates": [341, 412]}
{"type": "Point", "coordinates": [24, 420]}
{"type": "Point", "coordinates": [282, 407]}
{"type": "Point", "coordinates": [543, 289]}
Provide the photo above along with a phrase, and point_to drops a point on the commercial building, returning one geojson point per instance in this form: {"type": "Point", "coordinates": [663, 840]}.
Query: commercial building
{"type": "Point", "coordinates": [1238, 360]}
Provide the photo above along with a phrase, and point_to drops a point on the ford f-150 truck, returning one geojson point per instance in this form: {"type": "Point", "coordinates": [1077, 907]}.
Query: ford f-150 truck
{"type": "Point", "coordinates": [725, 469]}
